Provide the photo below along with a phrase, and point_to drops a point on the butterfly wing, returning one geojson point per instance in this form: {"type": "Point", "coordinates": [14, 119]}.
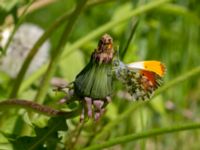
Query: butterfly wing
{"type": "Point", "coordinates": [141, 78]}
{"type": "Point", "coordinates": [153, 66]}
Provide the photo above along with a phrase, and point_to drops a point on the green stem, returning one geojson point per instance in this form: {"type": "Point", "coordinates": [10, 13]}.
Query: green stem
{"type": "Point", "coordinates": [179, 79]}
{"type": "Point", "coordinates": [96, 33]}
{"type": "Point", "coordinates": [42, 109]}
{"type": "Point", "coordinates": [33, 52]}
{"type": "Point", "coordinates": [46, 135]}
{"type": "Point", "coordinates": [106, 130]}
{"type": "Point", "coordinates": [18, 84]}
{"type": "Point", "coordinates": [167, 8]}
{"type": "Point", "coordinates": [180, 10]}
{"type": "Point", "coordinates": [113, 23]}
{"type": "Point", "coordinates": [58, 51]}
{"type": "Point", "coordinates": [142, 135]}
{"type": "Point", "coordinates": [21, 18]}
{"type": "Point", "coordinates": [33, 77]}
{"type": "Point", "coordinates": [131, 35]}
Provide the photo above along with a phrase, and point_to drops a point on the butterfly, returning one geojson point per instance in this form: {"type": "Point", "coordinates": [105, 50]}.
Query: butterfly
{"type": "Point", "coordinates": [140, 78]}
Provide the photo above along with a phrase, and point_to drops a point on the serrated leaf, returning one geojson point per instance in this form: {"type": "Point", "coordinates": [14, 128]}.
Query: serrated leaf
{"type": "Point", "coordinates": [46, 137]}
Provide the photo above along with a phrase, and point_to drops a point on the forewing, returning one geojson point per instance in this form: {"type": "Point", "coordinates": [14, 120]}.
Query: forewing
{"type": "Point", "coordinates": [140, 78]}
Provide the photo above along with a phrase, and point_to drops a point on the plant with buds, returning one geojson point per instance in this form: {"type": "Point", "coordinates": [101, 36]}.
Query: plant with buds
{"type": "Point", "coordinates": [93, 85]}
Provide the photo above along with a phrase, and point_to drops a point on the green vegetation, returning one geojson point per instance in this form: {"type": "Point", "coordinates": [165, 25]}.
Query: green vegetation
{"type": "Point", "coordinates": [163, 30]}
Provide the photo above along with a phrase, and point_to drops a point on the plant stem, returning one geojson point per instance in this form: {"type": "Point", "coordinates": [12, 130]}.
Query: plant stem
{"type": "Point", "coordinates": [33, 77]}
{"type": "Point", "coordinates": [73, 137]}
{"type": "Point", "coordinates": [180, 10]}
{"type": "Point", "coordinates": [92, 35]}
{"type": "Point", "coordinates": [131, 35]}
{"type": "Point", "coordinates": [18, 81]}
{"type": "Point", "coordinates": [20, 20]}
{"type": "Point", "coordinates": [113, 23]}
{"type": "Point", "coordinates": [42, 109]}
{"type": "Point", "coordinates": [58, 51]}
{"type": "Point", "coordinates": [142, 135]}
{"type": "Point", "coordinates": [105, 131]}
{"type": "Point", "coordinates": [179, 79]}
{"type": "Point", "coordinates": [36, 5]}
{"type": "Point", "coordinates": [167, 8]}
{"type": "Point", "coordinates": [32, 53]}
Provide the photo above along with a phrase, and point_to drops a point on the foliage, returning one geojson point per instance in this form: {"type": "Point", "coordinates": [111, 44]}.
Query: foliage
{"type": "Point", "coordinates": [47, 135]}
{"type": "Point", "coordinates": [142, 30]}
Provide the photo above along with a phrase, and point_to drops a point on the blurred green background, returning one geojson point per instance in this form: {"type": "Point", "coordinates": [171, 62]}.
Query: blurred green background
{"type": "Point", "coordinates": [169, 33]}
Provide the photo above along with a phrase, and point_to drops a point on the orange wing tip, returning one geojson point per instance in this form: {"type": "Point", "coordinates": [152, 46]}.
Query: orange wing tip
{"type": "Point", "coordinates": [155, 66]}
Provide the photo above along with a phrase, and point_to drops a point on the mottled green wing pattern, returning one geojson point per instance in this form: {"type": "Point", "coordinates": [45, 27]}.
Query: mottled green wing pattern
{"type": "Point", "coordinates": [139, 83]}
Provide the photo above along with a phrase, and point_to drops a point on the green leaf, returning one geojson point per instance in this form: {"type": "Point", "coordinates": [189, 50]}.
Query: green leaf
{"type": "Point", "coordinates": [7, 5]}
{"type": "Point", "coordinates": [46, 137]}
{"type": "Point", "coordinates": [158, 105]}
{"type": "Point", "coordinates": [70, 68]}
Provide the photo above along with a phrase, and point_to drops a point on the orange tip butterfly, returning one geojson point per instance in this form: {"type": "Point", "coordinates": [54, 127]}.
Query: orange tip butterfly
{"type": "Point", "coordinates": [140, 78]}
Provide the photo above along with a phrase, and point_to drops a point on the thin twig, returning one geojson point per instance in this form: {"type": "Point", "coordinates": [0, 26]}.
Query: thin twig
{"type": "Point", "coordinates": [74, 136]}
{"type": "Point", "coordinates": [20, 20]}
{"type": "Point", "coordinates": [35, 48]}
{"type": "Point", "coordinates": [134, 27]}
{"type": "Point", "coordinates": [91, 36]}
{"type": "Point", "coordinates": [42, 109]}
{"type": "Point", "coordinates": [32, 53]}
{"type": "Point", "coordinates": [58, 51]}
{"type": "Point", "coordinates": [35, 6]}
{"type": "Point", "coordinates": [106, 130]}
